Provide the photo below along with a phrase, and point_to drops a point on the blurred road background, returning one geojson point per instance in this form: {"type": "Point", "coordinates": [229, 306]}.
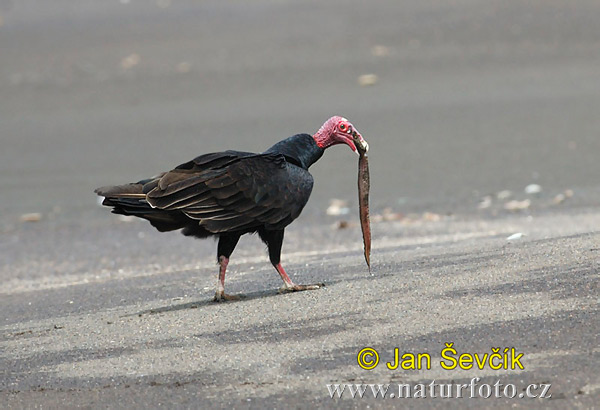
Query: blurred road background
{"type": "Point", "coordinates": [464, 103]}
{"type": "Point", "coordinates": [471, 98]}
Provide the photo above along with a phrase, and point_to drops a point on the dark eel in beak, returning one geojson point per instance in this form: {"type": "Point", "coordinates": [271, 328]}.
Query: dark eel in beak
{"type": "Point", "coordinates": [364, 184]}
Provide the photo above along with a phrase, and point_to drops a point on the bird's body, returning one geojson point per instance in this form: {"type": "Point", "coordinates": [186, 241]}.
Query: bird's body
{"type": "Point", "coordinates": [228, 194]}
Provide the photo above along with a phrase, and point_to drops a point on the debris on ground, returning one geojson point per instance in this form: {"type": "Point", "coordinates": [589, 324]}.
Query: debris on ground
{"type": "Point", "coordinates": [504, 194]}
{"type": "Point", "coordinates": [343, 224]}
{"type": "Point", "coordinates": [367, 79]}
{"type": "Point", "coordinates": [485, 202]}
{"type": "Point", "coordinates": [515, 205]}
{"type": "Point", "coordinates": [337, 207]}
{"type": "Point", "coordinates": [387, 215]}
{"type": "Point", "coordinates": [559, 199]}
{"type": "Point", "coordinates": [130, 61]}
{"type": "Point", "coordinates": [562, 197]}
{"type": "Point", "coordinates": [515, 236]}
{"type": "Point", "coordinates": [431, 217]}
{"type": "Point", "coordinates": [31, 217]}
{"type": "Point", "coordinates": [533, 189]}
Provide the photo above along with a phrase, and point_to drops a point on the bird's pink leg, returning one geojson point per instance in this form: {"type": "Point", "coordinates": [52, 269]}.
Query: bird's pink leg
{"type": "Point", "coordinates": [290, 286]}
{"type": "Point", "coordinates": [220, 295]}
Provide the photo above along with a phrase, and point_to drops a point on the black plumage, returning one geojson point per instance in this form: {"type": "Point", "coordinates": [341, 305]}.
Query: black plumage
{"type": "Point", "coordinates": [229, 191]}
{"type": "Point", "coordinates": [228, 194]}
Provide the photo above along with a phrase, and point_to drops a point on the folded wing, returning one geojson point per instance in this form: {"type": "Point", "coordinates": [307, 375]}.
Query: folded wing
{"type": "Point", "coordinates": [233, 190]}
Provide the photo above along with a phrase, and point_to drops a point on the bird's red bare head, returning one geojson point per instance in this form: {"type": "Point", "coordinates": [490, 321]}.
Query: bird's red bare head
{"type": "Point", "coordinates": [338, 130]}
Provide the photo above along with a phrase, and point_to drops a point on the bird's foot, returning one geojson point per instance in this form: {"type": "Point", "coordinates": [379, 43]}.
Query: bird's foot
{"type": "Point", "coordinates": [223, 297]}
{"type": "Point", "coordinates": [299, 288]}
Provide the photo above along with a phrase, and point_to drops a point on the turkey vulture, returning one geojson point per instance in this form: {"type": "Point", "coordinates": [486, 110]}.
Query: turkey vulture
{"type": "Point", "coordinates": [231, 193]}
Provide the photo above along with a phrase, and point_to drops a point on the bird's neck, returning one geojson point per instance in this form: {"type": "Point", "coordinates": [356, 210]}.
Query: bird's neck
{"type": "Point", "coordinates": [301, 148]}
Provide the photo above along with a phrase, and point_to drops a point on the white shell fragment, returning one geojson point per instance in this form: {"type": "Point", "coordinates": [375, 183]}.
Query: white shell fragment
{"type": "Point", "coordinates": [337, 207]}
{"type": "Point", "coordinates": [515, 236]}
{"type": "Point", "coordinates": [367, 79]}
{"type": "Point", "coordinates": [532, 189]}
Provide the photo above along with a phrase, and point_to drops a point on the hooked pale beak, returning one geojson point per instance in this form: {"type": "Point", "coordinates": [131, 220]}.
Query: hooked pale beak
{"type": "Point", "coordinates": [359, 142]}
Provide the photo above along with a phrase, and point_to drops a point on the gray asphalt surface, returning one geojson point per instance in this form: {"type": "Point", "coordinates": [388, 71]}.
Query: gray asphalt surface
{"type": "Point", "coordinates": [471, 99]}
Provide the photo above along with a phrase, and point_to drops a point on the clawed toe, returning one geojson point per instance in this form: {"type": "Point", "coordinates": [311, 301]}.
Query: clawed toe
{"type": "Point", "coordinates": [299, 288]}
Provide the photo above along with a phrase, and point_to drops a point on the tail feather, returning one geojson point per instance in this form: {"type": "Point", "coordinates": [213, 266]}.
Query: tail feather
{"type": "Point", "coordinates": [133, 190]}
{"type": "Point", "coordinates": [129, 199]}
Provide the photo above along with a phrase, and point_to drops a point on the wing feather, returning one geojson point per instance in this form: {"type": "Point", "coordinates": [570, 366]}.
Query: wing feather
{"type": "Point", "coordinates": [234, 191]}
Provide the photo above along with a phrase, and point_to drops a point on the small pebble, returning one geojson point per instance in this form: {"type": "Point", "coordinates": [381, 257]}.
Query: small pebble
{"type": "Point", "coordinates": [31, 217]}
{"type": "Point", "coordinates": [485, 203]}
{"type": "Point", "coordinates": [559, 199]}
{"type": "Point", "coordinates": [367, 79]}
{"type": "Point", "coordinates": [515, 205]}
{"type": "Point", "coordinates": [337, 207]}
{"type": "Point", "coordinates": [130, 61]}
{"type": "Point", "coordinates": [430, 216]}
{"type": "Point", "coordinates": [505, 194]}
{"type": "Point", "coordinates": [342, 224]}
{"type": "Point", "coordinates": [533, 189]}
